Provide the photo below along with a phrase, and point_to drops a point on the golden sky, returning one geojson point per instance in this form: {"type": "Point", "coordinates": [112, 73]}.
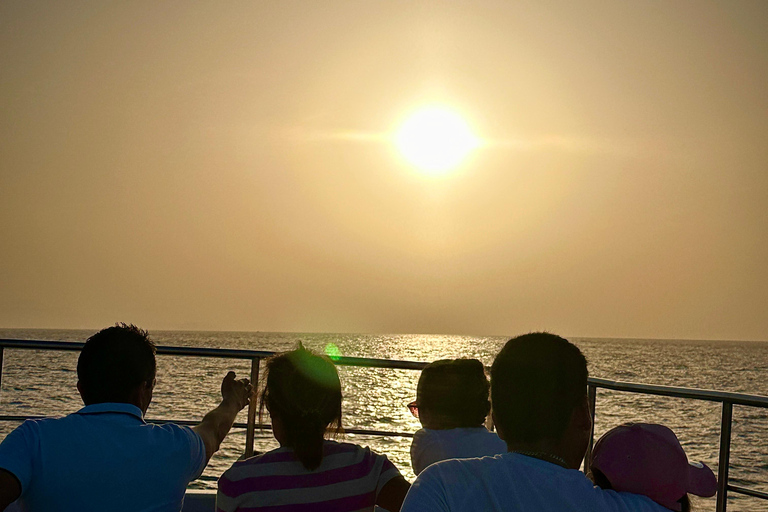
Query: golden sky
{"type": "Point", "coordinates": [227, 166]}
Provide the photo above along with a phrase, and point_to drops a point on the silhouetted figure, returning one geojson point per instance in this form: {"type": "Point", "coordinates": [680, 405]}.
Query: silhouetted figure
{"type": "Point", "coordinates": [452, 405]}
{"type": "Point", "coordinates": [105, 456]}
{"type": "Point", "coordinates": [540, 408]}
{"type": "Point", "coordinates": [648, 459]}
{"type": "Point", "coordinates": [308, 472]}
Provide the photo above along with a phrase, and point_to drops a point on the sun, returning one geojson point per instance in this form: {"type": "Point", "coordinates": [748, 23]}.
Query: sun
{"type": "Point", "coordinates": [435, 139]}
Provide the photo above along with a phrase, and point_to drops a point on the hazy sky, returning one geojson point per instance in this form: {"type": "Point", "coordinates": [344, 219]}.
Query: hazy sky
{"type": "Point", "coordinates": [225, 166]}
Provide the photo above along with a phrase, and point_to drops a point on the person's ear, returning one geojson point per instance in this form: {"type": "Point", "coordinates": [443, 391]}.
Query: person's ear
{"type": "Point", "coordinates": [145, 394]}
{"type": "Point", "coordinates": [80, 390]}
{"type": "Point", "coordinates": [583, 416]}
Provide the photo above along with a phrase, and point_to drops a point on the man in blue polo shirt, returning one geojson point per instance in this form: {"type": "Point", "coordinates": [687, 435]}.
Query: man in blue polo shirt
{"type": "Point", "coordinates": [541, 410]}
{"type": "Point", "coordinates": [105, 456]}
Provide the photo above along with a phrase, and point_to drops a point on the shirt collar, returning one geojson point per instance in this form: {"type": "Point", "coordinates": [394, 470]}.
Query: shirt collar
{"type": "Point", "coordinates": [112, 407]}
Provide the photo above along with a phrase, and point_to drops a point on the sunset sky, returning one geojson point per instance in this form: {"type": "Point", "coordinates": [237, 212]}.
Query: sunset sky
{"type": "Point", "coordinates": [232, 166]}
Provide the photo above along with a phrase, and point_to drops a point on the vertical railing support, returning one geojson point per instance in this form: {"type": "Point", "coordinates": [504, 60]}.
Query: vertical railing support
{"type": "Point", "coordinates": [250, 428]}
{"type": "Point", "coordinates": [2, 349]}
{"type": "Point", "coordinates": [592, 400]}
{"type": "Point", "coordinates": [725, 456]}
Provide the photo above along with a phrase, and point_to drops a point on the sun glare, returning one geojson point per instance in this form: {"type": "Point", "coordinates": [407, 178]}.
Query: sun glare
{"type": "Point", "coordinates": [435, 139]}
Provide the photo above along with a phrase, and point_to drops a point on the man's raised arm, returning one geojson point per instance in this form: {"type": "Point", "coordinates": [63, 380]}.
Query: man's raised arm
{"type": "Point", "coordinates": [235, 394]}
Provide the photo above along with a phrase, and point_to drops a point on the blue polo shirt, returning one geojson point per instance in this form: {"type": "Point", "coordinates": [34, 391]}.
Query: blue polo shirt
{"type": "Point", "coordinates": [103, 457]}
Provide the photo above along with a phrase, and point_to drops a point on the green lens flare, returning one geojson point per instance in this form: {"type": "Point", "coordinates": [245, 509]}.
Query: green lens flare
{"type": "Point", "coordinates": [332, 351]}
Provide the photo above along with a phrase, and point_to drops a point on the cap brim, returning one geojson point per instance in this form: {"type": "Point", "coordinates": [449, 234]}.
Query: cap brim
{"type": "Point", "coordinates": [701, 480]}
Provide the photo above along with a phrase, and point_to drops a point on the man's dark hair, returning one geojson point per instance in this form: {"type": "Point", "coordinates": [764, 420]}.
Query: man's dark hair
{"type": "Point", "coordinates": [455, 391]}
{"type": "Point", "coordinates": [537, 380]}
{"type": "Point", "coordinates": [114, 362]}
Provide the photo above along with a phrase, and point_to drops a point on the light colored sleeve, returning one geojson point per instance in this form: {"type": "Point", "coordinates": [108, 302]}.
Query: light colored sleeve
{"type": "Point", "coordinates": [17, 453]}
{"type": "Point", "coordinates": [224, 503]}
{"type": "Point", "coordinates": [427, 448]}
{"type": "Point", "coordinates": [387, 471]}
{"type": "Point", "coordinates": [417, 451]}
{"type": "Point", "coordinates": [196, 449]}
{"type": "Point", "coordinates": [426, 493]}
{"type": "Point", "coordinates": [226, 497]}
{"type": "Point", "coordinates": [199, 460]}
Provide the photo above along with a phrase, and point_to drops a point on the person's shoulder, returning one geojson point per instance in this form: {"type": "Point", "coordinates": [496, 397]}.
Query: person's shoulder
{"type": "Point", "coordinates": [469, 466]}
{"type": "Point", "coordinates": [29, 434]}
{"type": "Point", "coordinates": [173, 431]}
{"type": "Point", "coordinates": [628, 502]}
{"type": "Point", "coordinates": [170, 438]}
{"type": "Point", "coordinates": [447, 433]}
{"type": "Point", "coordinates": [38, 426]}
{"type": "Point", "coordinates": [273, 456]}
{"type": "Point", "coordinates": [341, 449]}
{"type": "Point", "coordinates": [632, 502]}
{"type": "Point", "coordinates": [257, 465]}
{"type": "Point", "coordinates": [256, 473]}
{"type": "Point", "coordinates": [428, 439]}
{"type": "Point", "coordinates": [440, 483]}
{"type": "Point", "coordinates": [484, 432]}
{"type": "Point", "coordinates": [338, 454]}
{"type": "Point", "coordinates": [38, 423]}
{"type": "Point", "coordinates": [487, 436]}
{"type": "Point", "coordinates": [331, 447]}
{"type": "Point", "coordinates": [35, 424]}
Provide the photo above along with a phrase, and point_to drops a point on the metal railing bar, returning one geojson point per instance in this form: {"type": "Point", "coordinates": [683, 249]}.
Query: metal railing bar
{"type": "Point", "coordinates": [385, 433]}
{"type": "Point", "coordinates": [239, 425]}
{"type": "Point", "coordinates": [267, 426]}
{"type": "Point", "coordinates": [159, 421]}
{"type": "Point", "coordinates": [226, 353]}
{"type": "Point", "coordinates": [749, 492]}
{"type": "Point", "coordinates": [725, 456]}
{"type": "Point", "coordinates": [1, 366]}
{"type": "Point", "coordinates": [592, 398]}
{"type": "Point", "coordinates": [379, 363]}
{"type": "Point", "coordinates": [651, 389]}
{"type": "Point", "coordinates": [678, 392]}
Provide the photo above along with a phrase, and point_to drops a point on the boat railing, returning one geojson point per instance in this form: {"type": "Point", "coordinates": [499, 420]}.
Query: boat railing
{"type": "Point", "coordinates": [726, 399]}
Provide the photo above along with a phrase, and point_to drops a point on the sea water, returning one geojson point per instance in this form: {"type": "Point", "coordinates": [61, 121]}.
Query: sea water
{"type": "Point", "coordinates": [43, 383]}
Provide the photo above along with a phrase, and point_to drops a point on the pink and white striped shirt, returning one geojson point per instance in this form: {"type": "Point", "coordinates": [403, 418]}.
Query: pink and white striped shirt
{"type": "Point", "coordinates": [348, 480]}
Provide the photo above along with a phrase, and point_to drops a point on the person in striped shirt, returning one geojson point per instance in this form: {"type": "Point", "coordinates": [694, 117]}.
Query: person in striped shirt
{"type": "Point", "coordinates": [309, 472]}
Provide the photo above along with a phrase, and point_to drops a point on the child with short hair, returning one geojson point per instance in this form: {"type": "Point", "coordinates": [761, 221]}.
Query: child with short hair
{"type": "Point", "coordinates": [647, 459]}
{"type": "Point", "coordinates": [452, 405]}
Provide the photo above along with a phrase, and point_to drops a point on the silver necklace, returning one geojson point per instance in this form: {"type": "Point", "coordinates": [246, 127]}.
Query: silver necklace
{"type": "Point", "coordinates": [547, 457]}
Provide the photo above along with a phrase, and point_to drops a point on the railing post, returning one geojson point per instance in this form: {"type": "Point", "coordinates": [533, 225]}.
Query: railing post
{"type": "Point", "coordinates": [592, 398]}
{"type": "Point", "coordinates": [725, 456]}
{"type": "Point", "coordinates": [2, 349]}
{"type": "Point", "coordinates": [250, 428]}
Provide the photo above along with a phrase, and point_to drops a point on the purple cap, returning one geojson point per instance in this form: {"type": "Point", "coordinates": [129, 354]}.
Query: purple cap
{"type": "Point", "coordinates": [647, 459]}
